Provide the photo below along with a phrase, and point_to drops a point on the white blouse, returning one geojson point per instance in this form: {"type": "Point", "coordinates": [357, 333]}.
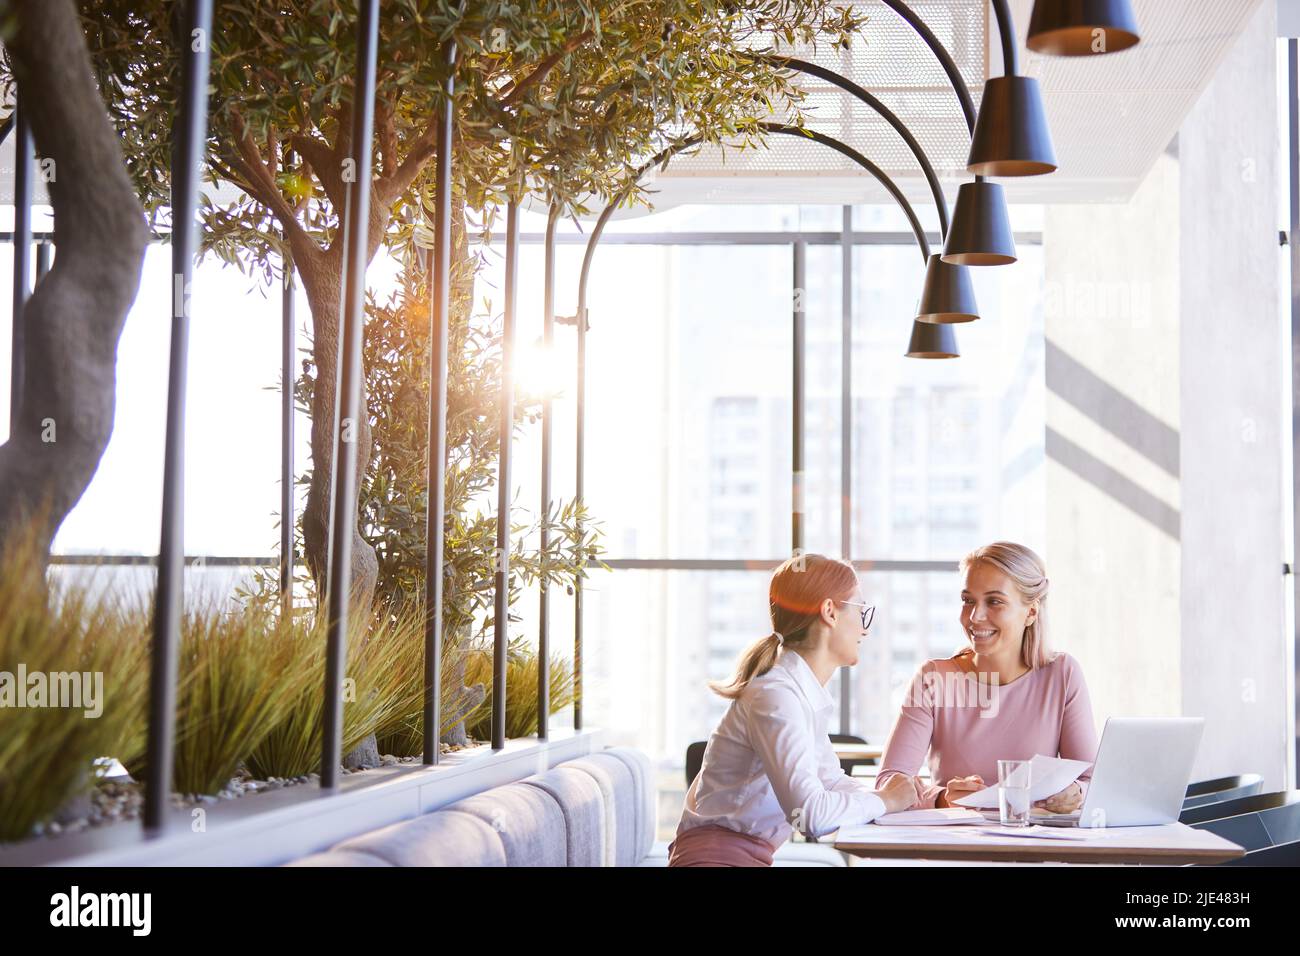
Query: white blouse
{"type": "Point", "coordinates": [770, 768]}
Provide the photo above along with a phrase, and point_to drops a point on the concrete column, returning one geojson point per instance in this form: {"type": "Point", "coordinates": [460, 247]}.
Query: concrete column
{"type": "Point", "coordinates": [1234, 638]}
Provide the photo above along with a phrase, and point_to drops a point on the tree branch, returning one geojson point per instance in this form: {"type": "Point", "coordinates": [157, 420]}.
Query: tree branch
{"type": "Point", "coordinates": [515, 90]}
{"type": "Point", "coordinates": [259, 182]}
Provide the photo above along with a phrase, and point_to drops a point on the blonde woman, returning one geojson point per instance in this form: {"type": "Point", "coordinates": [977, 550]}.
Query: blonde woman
{"type": "Point", "coordinates": [769, 767]}
{"type": "Point", "coordinates": [1005, 696]}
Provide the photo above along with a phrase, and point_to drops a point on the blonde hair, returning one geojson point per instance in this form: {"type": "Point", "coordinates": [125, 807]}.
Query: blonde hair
{"type": "Point", "coordinates": [795, 596]}
{"type": "Point", "coordinates": [1027, 572]}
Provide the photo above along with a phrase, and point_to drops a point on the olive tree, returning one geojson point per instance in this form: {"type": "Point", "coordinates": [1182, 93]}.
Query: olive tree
{"type": "Point", "coordinates": [559, 99]}
{"type": "Point", "coordinates": [76, 314]}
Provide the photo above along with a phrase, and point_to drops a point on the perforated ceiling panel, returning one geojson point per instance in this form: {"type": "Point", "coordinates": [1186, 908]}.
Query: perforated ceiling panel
{"type": "Point", "coordinates": [891, 61]}
{"type": "Point", "coordinates": [1110, 115]}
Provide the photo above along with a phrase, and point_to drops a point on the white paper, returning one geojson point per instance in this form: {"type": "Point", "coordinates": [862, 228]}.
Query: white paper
{"type": "Point", "coordinates": [937, 816]}
{"type": "Point", "coordinates": [1047, 776]}
{"type": "Point", "coordinates": [1035, 832]}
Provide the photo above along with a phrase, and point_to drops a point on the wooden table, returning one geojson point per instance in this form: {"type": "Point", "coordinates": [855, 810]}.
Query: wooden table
{"type": "Point", "coordinates": [1170, 844]}
{"type": "Point", "coordinates": [859, 751]}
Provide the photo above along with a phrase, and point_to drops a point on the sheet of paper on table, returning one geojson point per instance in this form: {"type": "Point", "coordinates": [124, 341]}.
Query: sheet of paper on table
{"type": "Point", "coordinates": [1047, 776]}
{"type": "Point", "coordinates": [870, 833]}
{"type": "Point", "coordinates": [928, 835]}
{"type": "Point", "coordinates": [937, 816]}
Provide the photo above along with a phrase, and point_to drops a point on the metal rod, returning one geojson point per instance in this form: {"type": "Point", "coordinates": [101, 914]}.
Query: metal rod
{"type": "Point", "coordinates": [775, 238]}
{"type": "Point", "coordinates": [151, 560]}
{"type": "Point", "coordinates": [8, 236]}
{"type": "Point", "coordinates": [187, 154]}
{"type": "Point", "coordinates": [945, 59]}
{"type": "Point", "coordinates": [942, 55]}
{"type": "Point", "coordinates": [43, 250]}
{"type": "Point", "coordinates": [766, 564]}
{"type": "Point", "coordinates": [844, 83]}
{"type": "Point", "coordinates": [846, 433]}
{"type": "Point", "coordinates": [1293, 241]}
{"type": "Point", "coordinates": [797, 395]}
{"type": "Point", "coordinates": [501, 590]}
{"type": "Point", "coordinates": [23, 171]}
{"type": "Point", "coordinates": [356, 227]}
{"type": "Point", "coordinates": [1007, 33]}
{"type": "Point", "coordinates": [287, 361]}
{"type": "Point", "coordinates": [436, 479]}
{"type": "Point", "coordinates": [340, 322]}
{"type": "Point", "coordinates": [890, 186]}
{"type": "Point", "coordinates": [544, 598]}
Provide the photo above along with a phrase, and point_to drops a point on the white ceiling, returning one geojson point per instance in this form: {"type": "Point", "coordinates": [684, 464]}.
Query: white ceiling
{"type": "Point", "coordinates": [1110, 116]}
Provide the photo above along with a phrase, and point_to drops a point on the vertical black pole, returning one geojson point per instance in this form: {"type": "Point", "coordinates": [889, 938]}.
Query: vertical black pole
{"type": "Point", "coordinates": [439, 321]}
{"type": "Point", "coordinates": [797, 388]}
{"type": "Point", "coordinates": [287, 373]}
{"type": "Point", "coordinates": [1293, 164]}
{"type": "Point", "coordinates": [580, 441]}
{"type": "Point", "coordinates": [544, 601]}
{"type": "Point", "coordinates": [23, 163]}
{"type": "Point", "coordinates": [189, 135]}
{"type": "Point", "coordinates": [356, 226]}
{"type": "Point", "coordinates": [500, 622]}
{"type": "Point", "coordinates": [846, 434]}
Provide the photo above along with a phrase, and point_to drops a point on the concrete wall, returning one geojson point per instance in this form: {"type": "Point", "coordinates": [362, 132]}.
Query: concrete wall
{"type": "Point", "coordinates": [1234, 660]}
{"type": "Point", "coordinates": [1165, 429]}
{"type": "Point", "coordinates": [1111, 309]}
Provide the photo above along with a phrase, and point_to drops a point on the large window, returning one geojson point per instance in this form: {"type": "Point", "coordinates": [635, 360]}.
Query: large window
{"type": "Point", "coordinates": [689, 430]}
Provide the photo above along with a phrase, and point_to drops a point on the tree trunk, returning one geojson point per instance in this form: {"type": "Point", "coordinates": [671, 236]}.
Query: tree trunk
{"type": "Point", "coordinates": [75, 316]}
{"type": "Point", "coordinates": [322, 279]}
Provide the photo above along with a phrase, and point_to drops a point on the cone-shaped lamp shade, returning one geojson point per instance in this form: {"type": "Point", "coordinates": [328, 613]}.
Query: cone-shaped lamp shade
{"type": "Point", "coordinates": [931, 340]}
{"type": "Point", "coordinates": [980, 234]}
{"type": "Point", "coordinates": [1011, 135]}
{"type": "Point", "coordinates": [947, 296]}
{"type": "Point", "coordinates": [1081, 27]}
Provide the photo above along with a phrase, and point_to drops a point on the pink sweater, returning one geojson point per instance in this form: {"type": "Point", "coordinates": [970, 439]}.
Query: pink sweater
{"type": "Point", "coordinates": [967, 727]}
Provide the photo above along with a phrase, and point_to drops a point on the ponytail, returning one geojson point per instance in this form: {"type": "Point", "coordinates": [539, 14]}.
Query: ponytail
{"type": "Point", "coordinates": [756, 660]}
{"type": "Point", "coordinates": [795, 596]}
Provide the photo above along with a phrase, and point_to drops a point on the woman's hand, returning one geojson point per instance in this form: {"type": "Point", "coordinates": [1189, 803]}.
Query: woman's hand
{"type": "Point", "coordinates": [957, 788]}
{"type": "Point", "coordinates": [1067, 801]}
{"type": "Point", "coordinates": [901, 792]}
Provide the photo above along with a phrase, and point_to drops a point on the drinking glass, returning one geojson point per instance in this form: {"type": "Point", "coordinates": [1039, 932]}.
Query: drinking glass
{"type": "Point", "coordinates": [1013, 792]}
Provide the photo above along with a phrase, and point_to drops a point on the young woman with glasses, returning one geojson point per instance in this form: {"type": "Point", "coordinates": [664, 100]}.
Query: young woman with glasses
{"type": "Point", "coordinates": [769, 767]}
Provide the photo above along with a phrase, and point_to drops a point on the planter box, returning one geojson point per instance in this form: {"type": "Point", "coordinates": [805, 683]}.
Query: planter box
{"type": "Point", "coordinates": [267, 829]}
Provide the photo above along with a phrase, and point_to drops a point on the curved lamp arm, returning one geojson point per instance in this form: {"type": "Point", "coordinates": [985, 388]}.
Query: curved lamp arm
{"type": "Point", "coordinates": [844, 83]}
{"type": "Point", "coordinates": [1007, 31]}
{"type": "Point", "coordinates": [670, 151]}
{"type": "Point", "coordinates": [1010, 60]}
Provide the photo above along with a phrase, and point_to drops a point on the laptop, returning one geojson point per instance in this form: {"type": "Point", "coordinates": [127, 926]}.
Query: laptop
{"type": "Point", "coordinates": [1143, 767]}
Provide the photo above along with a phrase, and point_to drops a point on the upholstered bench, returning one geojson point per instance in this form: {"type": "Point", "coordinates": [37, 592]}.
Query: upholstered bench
{"type": "Point", "coordinates": [597, 810]}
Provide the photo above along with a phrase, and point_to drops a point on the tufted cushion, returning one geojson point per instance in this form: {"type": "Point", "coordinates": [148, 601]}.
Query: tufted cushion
{"type": "Point", "coordinates": [583, 807]}
{"type": "Point", "coordinates": [339, 858]}
{"type": "Point", "coordinates": [444, 838]}
{"type": "Point", "coordinates": [527, 820]}
{"type": "Point", "coordinates": [619, 791]}
{"type": "Point", "coordinates": [788, 854]}
{"type": "Point", "coordinates": [646, 808]}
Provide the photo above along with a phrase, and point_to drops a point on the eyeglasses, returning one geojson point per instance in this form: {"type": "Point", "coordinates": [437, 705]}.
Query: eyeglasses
{"type": "Point", "coordinates": [868, 612]}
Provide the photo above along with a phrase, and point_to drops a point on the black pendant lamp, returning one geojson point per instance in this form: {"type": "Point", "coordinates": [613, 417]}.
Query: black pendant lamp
{"type": "Point", "coordinates": [947, 296]}
{"type": "Point", "coordinates": [980, 233]}
{"type": "Point", "coordinates": [932, 340]}
{"type": "Point", "coordinates": [1081, 27]}
{"type": "Point", "coordinates": [1011, 134]}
